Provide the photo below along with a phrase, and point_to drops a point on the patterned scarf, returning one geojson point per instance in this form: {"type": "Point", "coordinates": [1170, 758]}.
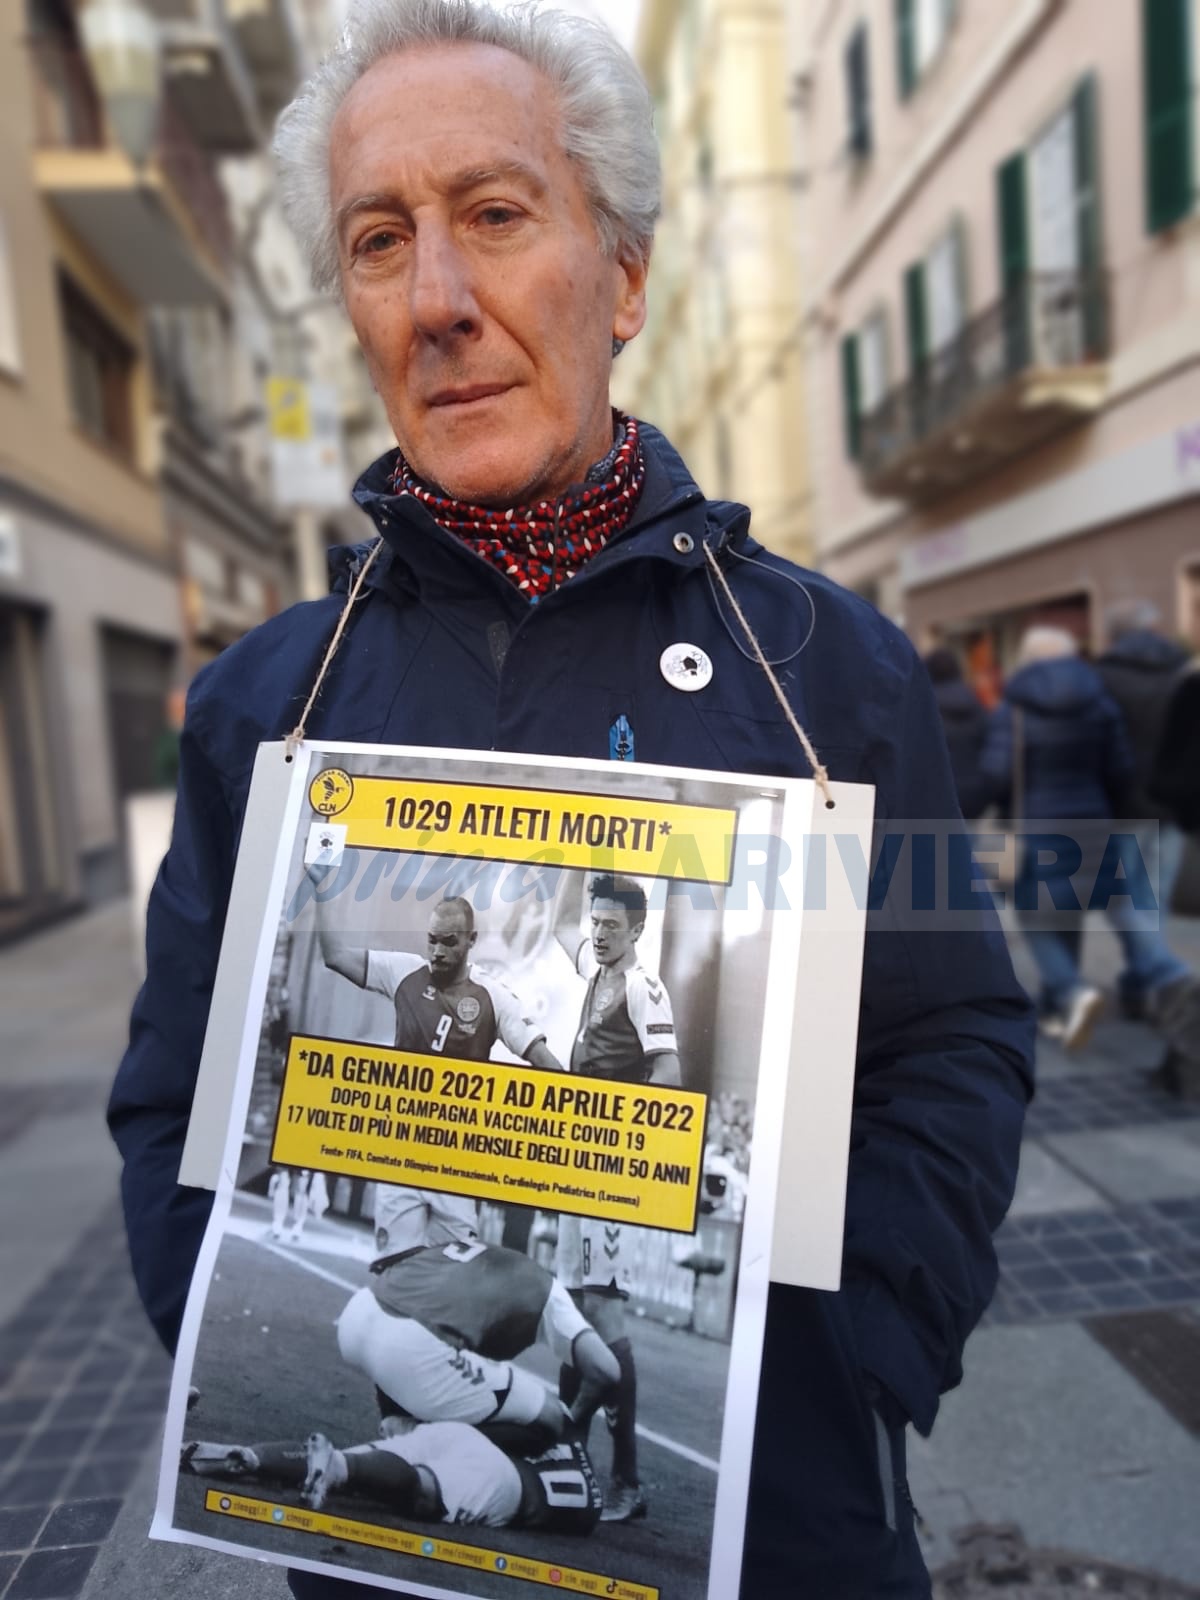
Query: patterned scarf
{"type": "Point", "coordinates": [540, 546]}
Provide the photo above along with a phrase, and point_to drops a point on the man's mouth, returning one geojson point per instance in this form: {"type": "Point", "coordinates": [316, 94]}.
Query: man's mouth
{"type": "Point", "coordinates": [468, 394]}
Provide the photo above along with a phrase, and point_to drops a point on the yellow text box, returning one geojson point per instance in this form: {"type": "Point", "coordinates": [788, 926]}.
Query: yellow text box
{"type": "Point", "coordinates": [429, 1545]}
{"type": "Point", "coordinates": [562, 1141]}
{"type": "Point", "coordinates": [494, 822]}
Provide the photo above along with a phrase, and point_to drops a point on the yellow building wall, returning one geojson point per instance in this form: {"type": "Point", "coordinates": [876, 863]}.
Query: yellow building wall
{"type": "Point", "coordinates": [718, 366]}
{"type": "Point", "coordinates": [40, 444]}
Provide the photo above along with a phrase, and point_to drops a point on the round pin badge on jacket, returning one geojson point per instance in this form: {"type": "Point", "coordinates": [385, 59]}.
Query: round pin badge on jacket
{"type": "Point", "coordinates": [686, 667]}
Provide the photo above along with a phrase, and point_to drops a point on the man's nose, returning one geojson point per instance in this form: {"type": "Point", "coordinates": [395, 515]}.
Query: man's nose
{"type": "Point", "coordinates": [442, 298]}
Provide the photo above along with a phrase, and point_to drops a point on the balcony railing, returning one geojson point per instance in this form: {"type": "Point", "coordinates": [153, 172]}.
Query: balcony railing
{"type": "Point", "coordinates": [69, 116]}
{"type": "Point", "coordinates": [1049, 322]}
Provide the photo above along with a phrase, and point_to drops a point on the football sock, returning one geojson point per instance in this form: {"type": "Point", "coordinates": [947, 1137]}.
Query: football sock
{"type": "Point", "coordinates": [568, 1383]}
{"type": "Point", "coordinates": [285, 1463]}
{"type": "Point", "coordinates": [622, 1412]}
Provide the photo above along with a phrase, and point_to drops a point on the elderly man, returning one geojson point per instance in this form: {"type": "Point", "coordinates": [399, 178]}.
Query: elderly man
{"type": "Point", "coordinates": [482, 188]}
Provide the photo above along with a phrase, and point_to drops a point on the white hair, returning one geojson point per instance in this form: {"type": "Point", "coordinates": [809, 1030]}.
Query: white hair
{"type": "Point", "coordinates": [606, 109]}
{"type": "Point", "coordinates": [1046, 644]}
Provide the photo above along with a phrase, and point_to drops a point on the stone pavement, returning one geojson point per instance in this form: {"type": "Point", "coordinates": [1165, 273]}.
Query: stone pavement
{"type": "Point", "coordinates": [1078, 1420]}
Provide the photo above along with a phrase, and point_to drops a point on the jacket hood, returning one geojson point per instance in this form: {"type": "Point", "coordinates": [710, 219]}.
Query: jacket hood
{"type": "Point", "coordinates": [1145, 652]}
{"type": "Point", "coordinates": [1056, 688]}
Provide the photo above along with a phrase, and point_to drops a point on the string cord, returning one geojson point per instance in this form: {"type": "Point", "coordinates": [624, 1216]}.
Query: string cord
{"type": "Point", "coordinates": [819, 770]}
{"type": "Point", "coordinates": [784, 577]}
{"type": "Point", "coordinates": [296, 737]}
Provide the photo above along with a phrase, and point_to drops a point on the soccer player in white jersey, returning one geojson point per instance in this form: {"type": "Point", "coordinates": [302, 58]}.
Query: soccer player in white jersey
{"type": "Point", "coordinates": [627, 1035]}
{"type": "Point", "coordinates": [431, 1472]}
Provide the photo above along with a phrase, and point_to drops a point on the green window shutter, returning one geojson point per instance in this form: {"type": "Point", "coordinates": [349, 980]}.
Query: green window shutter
{"type": "Point", "coordinates": [858, 93]}
{"type": "Point", "coordinates": [1087, 215]}
{"type": "Point", "coordinates": [1014, 221]}
{"type": "Point", "coordinates": [916, 320]}
{"type": "Point", "coordinates": [1167, 91]}
{"type": "Point", "coordinates": [1013, 232]}
{"type": "Point", "coordinates": [906, 47]}
{"type": "Point", "coordinates": [851, 404]}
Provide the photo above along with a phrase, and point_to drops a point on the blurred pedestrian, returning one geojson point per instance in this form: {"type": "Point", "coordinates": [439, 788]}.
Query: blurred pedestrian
{"type": "Point", "coordinates": [965, 721]}
{"type": "Point", "coordinates": [1057, 750]}
{"type": "Point", "coordinates": [1141, 671]}
{"type": "Point", "coordinates": [1175, 777]}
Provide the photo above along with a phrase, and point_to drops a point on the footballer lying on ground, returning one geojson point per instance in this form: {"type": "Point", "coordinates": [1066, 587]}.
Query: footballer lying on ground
{"type": "Point", "coordinates": [431, 1472]}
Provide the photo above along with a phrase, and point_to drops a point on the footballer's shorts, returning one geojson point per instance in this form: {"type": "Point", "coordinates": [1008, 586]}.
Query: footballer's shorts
{"type": "Point", "coordinates": [594, 1255]}
{"type": "Point", "coordinates": [429, 1378]}
{"type": "Point", "coordinates": [478, 1483]}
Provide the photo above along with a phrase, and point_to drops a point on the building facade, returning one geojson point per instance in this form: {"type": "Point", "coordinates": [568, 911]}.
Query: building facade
{"type": "Point", "coordinates": [136, 537]}
{"type": "Point", "coordinates": [1002, 320]}
{"type": "Point", "coordinates": [718, 365]}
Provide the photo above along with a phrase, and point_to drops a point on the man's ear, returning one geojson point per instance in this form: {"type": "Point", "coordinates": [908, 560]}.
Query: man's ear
{"type": "Point", "coordinates": [629, 317]}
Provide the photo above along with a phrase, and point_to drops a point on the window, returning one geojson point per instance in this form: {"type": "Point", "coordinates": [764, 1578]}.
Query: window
{"type": "Point", "coordinates": [99, 370]}
{"type": "Point", "coordinates": [921, 29]}
{"type": "Point", "coordinates": [10, 343]}
{"type": "Point", "coordinates": [1050, 246]}
{"type": "Point", "coordinates": [858, 94]}
{"type": "Point", "coordinates": [1167, 71]}
{"type": "Point", "coordinates": [873, 362]}
{"type": "Point", "coordinates": [935, 297]}
{"type": "Point", "coordinates": [865, 377]}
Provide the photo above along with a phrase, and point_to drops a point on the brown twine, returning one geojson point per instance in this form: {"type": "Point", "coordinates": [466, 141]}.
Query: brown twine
{"type": "Point", "coordinates": [820, 772]}
{"type": "Point", "coordinates": [296, 737]}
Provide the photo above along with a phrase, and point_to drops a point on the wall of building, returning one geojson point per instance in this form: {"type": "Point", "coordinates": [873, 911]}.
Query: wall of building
{"type": "Point", "coordinates": [1002, 76]}
{"type": "Point", "coordinates": [1003, 73]}
{"type": "Point", "coordinates": [718, 365]}
{"type": "Point", "coordinates": [39, 441]}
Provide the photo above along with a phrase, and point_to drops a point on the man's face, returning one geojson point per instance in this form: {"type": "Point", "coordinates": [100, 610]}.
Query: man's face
{"type": "Point", "coordinates": [473, 274]}
{"type": "Point", "coordinates": [449, 943]}
{"type": "Point", "coordinates": [612, 936]}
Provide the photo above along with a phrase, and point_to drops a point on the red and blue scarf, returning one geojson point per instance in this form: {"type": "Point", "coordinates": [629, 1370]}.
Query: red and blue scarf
{"type": "Point", "coordinates": [539, 547]}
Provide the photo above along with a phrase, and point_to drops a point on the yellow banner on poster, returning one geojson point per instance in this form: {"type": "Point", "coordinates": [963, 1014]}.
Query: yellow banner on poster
{"type": "Point", "coordinates": [494, 822]}
{"type": "Point", "coordinates": [429, 1545]}
{"type": "Point", "coordinates": [621, 1152]}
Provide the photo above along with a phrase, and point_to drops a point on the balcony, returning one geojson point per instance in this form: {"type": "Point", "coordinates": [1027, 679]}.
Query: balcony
{"type": "Point", "coordinates": [269, 37]}
{"type": "Point", "coordinates": [1029, 366]}
{"type": "Point", "coordinates": [162, 233]}
{"type": "Point", "coordinates": [210, 83]}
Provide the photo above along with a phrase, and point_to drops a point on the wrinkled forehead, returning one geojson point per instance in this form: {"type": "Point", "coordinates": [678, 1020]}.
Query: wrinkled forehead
{"type": "Point", "coordinates": [428, 105]}
{"type": "Point", "coordinates": [445, 921]}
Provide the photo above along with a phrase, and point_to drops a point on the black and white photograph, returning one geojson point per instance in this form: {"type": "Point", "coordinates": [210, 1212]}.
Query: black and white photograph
{"type": "Point", "coordinates": [550, 1385]}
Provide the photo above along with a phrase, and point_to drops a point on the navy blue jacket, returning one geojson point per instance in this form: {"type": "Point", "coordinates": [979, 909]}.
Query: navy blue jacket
{"type": "Point", "coordinates": [1077, 760]}
{"type": "Point", "coordinates": [443, 651]}
{"type": "Point", "coordinates": [965, 724]}
{"type": "Point", "coordinates": [1141, 672]}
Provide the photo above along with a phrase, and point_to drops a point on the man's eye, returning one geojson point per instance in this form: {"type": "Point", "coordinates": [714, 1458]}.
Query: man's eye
{"type": "Point", "coordinates": [497, 216]}
{"type": "Point", "coordinates": [376, 242]}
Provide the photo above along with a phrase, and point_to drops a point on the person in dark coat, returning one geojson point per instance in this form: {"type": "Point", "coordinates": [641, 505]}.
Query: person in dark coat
{"type": "Point", "coordinates": [1057, 751]}
{"type": "Point", "coordinates": [965, 723]}
{"type": "Point", "coordinates": [487, 273]}
{"type": "Point", "coordinates": [1174, 780]}
{"type": "Point", "coordinates": [1141, 670]}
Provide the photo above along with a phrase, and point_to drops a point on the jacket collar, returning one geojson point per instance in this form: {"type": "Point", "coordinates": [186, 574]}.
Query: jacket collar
{"type": "Point", "coordinates": [671, 504]}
